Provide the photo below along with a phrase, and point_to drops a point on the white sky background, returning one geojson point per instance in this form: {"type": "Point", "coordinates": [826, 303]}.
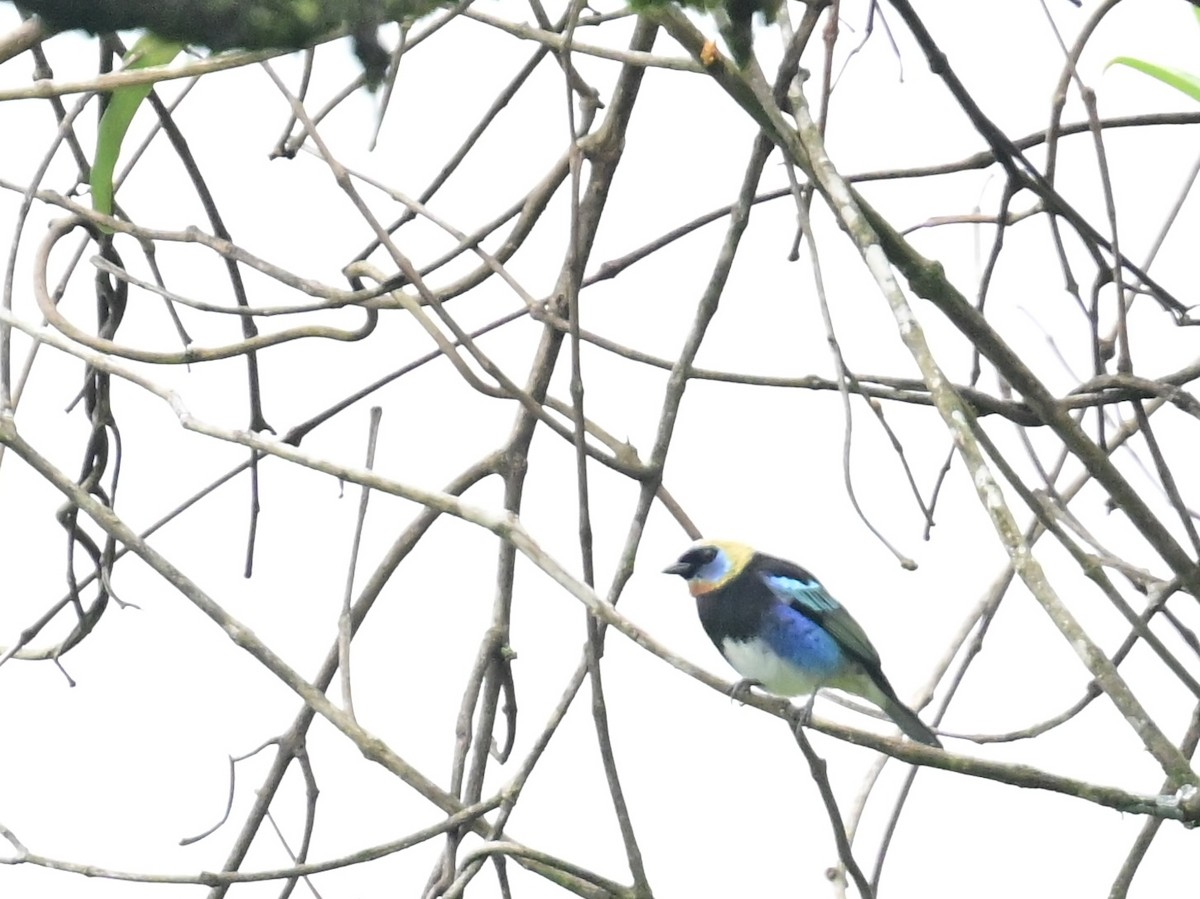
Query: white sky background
{"type": "Point", "coordinates": [115, 771]}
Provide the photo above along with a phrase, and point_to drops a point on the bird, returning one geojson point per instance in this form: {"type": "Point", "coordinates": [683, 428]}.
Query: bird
{"type": "Point", "coordinates": [781, 630]}
{"type": "Point", "coordinates": [735, 20]}
{"type": "Point", "coordinates": [739, 34]}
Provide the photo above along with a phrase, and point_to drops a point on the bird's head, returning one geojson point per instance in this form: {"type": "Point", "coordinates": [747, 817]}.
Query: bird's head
{"type": "Point", "coordinates": [709, 564]}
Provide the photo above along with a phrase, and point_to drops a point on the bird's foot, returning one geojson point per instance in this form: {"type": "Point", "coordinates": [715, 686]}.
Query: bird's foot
{"type": "Point", "coordinates": [806, 712]}
{"type": "Point", "coordinates": [709, 55]}
{"type": "Point", "coordinates": [740, 691]}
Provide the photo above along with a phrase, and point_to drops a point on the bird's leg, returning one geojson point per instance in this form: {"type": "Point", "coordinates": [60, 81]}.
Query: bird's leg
{"type": "Point", "coordinates": [740, 691]}
{"type": "Point", "coordinates": [806, 712]}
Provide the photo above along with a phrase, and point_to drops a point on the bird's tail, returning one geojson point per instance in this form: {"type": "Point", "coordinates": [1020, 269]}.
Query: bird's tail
{"type": "Point", "coordinates": [885, 697]}
{"type": "Point", "coordinates": [908, 721]}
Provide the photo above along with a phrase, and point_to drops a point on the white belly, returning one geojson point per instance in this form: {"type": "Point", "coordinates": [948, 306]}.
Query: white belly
{"type": "Point", "coordinates": [754, 660]}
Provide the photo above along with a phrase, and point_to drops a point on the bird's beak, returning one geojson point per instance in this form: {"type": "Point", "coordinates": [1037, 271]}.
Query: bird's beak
{"type": "Point", "coordinates": [679, 568]}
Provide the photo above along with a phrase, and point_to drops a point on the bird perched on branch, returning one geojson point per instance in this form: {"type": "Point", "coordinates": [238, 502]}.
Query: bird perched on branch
{"type": "Point", "coordinates": [735, 20]}
{"type": "Point", "coordinates": [779, 629]}
{"type": "Point", "coordinates": [739, 34]}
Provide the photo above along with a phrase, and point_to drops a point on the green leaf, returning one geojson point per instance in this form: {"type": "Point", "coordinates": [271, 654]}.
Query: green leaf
{"type": "Point", "coordinates": [150, 50]}
{"type": "Point", "coordinates": [1180, 80]}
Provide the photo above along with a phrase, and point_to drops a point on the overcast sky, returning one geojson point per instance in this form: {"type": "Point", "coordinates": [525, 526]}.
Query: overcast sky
{"type": "Point", "coordinates": [116, 770]}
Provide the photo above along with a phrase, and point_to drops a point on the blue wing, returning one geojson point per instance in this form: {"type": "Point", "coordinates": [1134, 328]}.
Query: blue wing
{"type": "Point", "coordinates": [795, 587]}
{"type": "Point", "coordinates": [807, 596]}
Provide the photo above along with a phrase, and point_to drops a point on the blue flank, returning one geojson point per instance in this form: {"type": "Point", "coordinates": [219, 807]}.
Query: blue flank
{"type": "Point", "coordinates": [802, 642]}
